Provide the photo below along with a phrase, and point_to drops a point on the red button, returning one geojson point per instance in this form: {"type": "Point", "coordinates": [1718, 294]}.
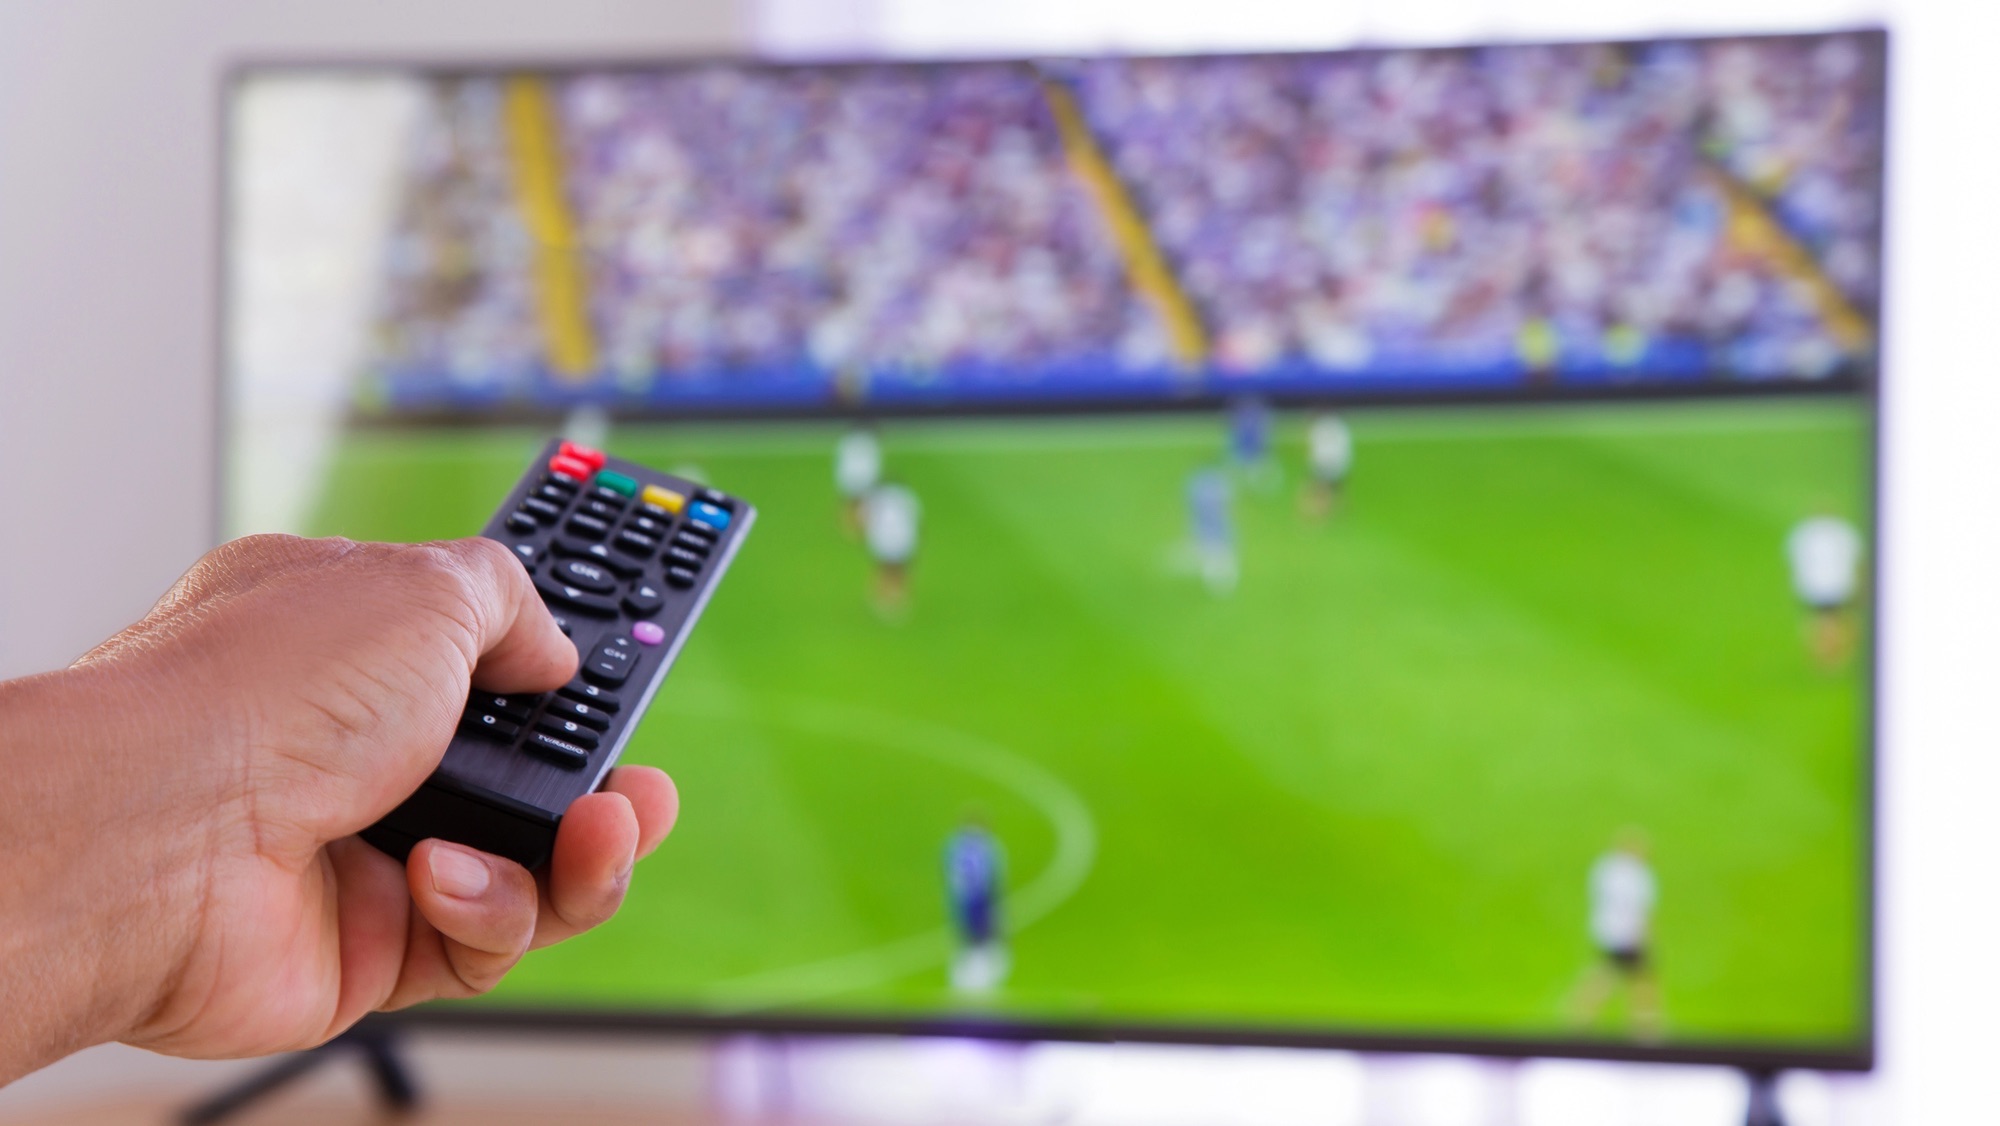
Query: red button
{"type": "Point", "coordinates": [577, 469]}
{"type": "Point", "coordinates": [584, 454]}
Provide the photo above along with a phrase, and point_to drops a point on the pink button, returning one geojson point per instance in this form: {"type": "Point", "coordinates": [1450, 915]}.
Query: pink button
{"type": "Point", "coordinates": [648, 633]}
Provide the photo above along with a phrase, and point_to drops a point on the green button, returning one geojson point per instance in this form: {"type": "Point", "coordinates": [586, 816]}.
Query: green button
{"type": "Point", "coordinates": [617, 482]}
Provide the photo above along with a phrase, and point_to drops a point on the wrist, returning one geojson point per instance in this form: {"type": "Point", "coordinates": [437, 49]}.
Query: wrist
{"type": "Point", "coordinates": [107, 871]}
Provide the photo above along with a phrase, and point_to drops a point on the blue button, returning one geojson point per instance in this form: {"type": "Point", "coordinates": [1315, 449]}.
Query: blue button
{"type": "Point", "coordinates": [703, 512]}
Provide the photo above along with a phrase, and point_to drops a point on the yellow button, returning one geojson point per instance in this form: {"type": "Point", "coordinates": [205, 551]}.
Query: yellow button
{"type": "Point", "coordinates": [665, 498]}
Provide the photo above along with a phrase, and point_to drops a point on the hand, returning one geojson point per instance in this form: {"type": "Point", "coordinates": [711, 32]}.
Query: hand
{"type": "Point", "coordinates": [188, 851]}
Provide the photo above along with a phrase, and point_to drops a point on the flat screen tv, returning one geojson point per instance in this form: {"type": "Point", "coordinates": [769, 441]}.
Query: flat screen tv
{"type": "Point", "coordinates": [1367, 548]}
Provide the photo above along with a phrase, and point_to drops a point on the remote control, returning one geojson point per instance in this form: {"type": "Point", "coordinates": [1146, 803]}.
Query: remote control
{"type": "Point", "coordinates": [626, 559]}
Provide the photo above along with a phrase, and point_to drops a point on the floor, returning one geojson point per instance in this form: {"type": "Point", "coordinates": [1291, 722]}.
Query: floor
{"type": "Point", "coordinates": [505, 1078]}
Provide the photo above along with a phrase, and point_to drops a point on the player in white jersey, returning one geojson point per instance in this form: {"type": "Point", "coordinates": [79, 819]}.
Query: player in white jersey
{"type": "Point", "coordinates": [1623, 894]}
{"type": "Point", "coordinates": [1329, 455]}
{"type": "Point", "coordinates": [1825, 555]}
{"type": "Point", "coordinates": [857, 468]}
{"type": "Point", "coordinates": [889, 518]}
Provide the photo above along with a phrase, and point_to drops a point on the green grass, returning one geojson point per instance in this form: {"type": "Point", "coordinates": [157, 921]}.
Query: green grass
{"type": "Point", "coordinates": [1363, 791]}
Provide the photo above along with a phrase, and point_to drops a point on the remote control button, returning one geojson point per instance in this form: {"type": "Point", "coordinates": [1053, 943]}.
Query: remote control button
{"type": "Point", "coordinates": [584, 690]}
{"type": "Point", "coordinates": [648, 633]}
{"type": "Point", "coordinates": [646, 525]}
{"type": "Point", "coordinates": [486, 723]}
{"type": "Point", "coordinates": [603, 510]}
{"type": "Point", "coordinates": [542, 509]}
{"type": "Point", "coordinates": [522, 524]}
{"type": "Point", "coordinates": [655, 512]}
{"type": "Point", "coordinates": [703, 512]}
{"type": "Point", "coordinates": [562, 624]}
{"type": "Point", "coordinates": [585, 574]}
{"type": "Point", "coordinates": [581, 712]}
{"type": "Point", "coordinates": [644, 600]}
{"type": "Point", "coordinates": [612, 662]}
{"type": "Point", "coordinates": [527, 553]}
{"type": "Point", "coordinates": [680, 577]}
{"type": "Point", "coordinates": [563, 751]}
{"type": "Point", "coordinates": [569, 483]}
{"type": "Point", "coordinates": [700, 545]}
{"type": "Point", "coordinates": [508, 707]}
{"type": "Point", "coordinates": [635, 543]}
{"type": "Point", "coordinates": [589, 527]}
{"type": "Point", "coordinates": [620, 565]}
{"type": "Point", "coordinates": [717, 499]}
{"type": "Point", "coordinates": [666, 500]}
{"type": "Point", "coordinates": [571, 468]}
{"type": "Point", "coordinates": [554, 493]}
{"type": "Point", "coordinates": [610, 496]}
{"type": "Point", "coordinates": [570, 730]}
{"type": "Point", "coordinates": [581, 599]}
{"type": "Point", "coordinates": [618, 483]}
{"type": "Point", "coordinates": [584, 454]}
{"type": "Point", "coordinates": [700, 533]}
{"type": "Point", "coordinates": [691, 560]}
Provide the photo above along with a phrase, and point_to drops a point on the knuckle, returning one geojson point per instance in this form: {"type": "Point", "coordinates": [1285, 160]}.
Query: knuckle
{"type": "Point", "coordinates": [478, 972]}
{"type": "Point", "coordinates": [597, 907]}
{"type": "Point", "coordinates": [493, 551]}
{"type": "Point", "coordinates": [435, 558]}
{"type": "Point", "coordinates": [437, 575]}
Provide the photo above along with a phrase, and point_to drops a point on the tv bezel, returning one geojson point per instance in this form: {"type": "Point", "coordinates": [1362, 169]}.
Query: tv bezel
{"type": "Point", "coordinates": [1757, 1056]}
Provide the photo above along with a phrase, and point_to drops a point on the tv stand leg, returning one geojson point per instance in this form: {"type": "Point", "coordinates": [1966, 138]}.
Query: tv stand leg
{"type": "Point", "coordinates": [394, 1084]}
{"type": "Point", "coordinates": [1763, 1106]}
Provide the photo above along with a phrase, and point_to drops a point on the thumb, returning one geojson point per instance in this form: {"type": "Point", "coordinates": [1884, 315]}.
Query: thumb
{"type": "Point", "coordinates": [521, 649]}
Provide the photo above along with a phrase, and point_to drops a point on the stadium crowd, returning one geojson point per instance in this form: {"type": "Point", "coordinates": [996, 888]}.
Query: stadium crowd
{"type": "Point", "coordinates": [458, 303]}
{"type": "Point", "coordinates": [1564, 208]}
{"type": "Point", "coordinates": [1418, 209]}
{"type": "Point", "coordinates": [886, 217]}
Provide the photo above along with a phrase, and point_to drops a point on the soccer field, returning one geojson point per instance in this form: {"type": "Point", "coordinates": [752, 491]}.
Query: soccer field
{"type": "Point", "coordinates": [1362, 791]}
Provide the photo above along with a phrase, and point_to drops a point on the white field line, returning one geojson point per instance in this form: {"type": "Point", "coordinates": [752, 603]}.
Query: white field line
{"type": "Point", "coordinates": [1075, 851]}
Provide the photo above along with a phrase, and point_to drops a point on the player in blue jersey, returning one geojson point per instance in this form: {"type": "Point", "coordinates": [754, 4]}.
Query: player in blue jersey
{"type": "Point", "coordinates": [1211, 529]}
{"type": "Point", "coordinates": [973, 871]}
{"type": "Point", "coordinates": [1250, 442]}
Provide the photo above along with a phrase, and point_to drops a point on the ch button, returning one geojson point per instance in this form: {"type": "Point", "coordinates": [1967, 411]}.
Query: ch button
{"type": "Point", "coordinates": [611, 663]}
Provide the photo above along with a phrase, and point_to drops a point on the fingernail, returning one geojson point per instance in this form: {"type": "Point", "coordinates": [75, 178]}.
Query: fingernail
{"type": "Point", "coordinates": [457, 873]}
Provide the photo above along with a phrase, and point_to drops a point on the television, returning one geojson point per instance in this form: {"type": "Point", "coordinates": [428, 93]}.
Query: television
{"type": "Point", "coordinates": [1364, 548]}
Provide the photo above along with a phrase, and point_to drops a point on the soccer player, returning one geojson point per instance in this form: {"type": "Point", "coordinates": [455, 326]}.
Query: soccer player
{"type": "Point", "coordinates": [857, 468]}
{"type": "Point", "coordinates": [1250, 442]}
{"type": "Point", "coordinates": [973, 867]}
{"type": "Point", "coordinates": [1329, 455]}
{"type": "Point", "coordinates": [889, 517]}
{"type": "Point", "coordinates": [1623, 892]}
{"type": "Point", "coordinates": [1825, 554]}
{"type": "Point", "coordinates": [1211, 529]}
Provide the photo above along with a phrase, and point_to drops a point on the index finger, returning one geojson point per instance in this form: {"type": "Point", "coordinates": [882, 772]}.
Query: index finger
{"type": "Point", "coordinates": [521, 649]}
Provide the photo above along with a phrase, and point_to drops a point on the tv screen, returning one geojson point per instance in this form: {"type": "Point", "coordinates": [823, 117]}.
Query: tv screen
{"type": "Point", "coordinates": [1362, 547]}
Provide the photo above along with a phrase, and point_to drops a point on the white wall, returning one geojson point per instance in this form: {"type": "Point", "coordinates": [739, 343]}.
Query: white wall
{"type": "Point", "coordinates": [109, 122]}
{"type": "Point", "coordinates": [107, 253]}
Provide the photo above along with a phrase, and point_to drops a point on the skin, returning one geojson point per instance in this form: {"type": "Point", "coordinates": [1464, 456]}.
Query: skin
{"type": "Point", "coordinates": [180, 806]}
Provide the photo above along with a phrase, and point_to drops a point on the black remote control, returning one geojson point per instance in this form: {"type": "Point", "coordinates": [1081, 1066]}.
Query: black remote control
{"type": "Point", "coordinates": [626, 559]}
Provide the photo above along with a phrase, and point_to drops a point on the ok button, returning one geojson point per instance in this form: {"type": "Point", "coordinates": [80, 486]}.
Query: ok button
{"type": "Point", "coordinates": [586, 575]}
